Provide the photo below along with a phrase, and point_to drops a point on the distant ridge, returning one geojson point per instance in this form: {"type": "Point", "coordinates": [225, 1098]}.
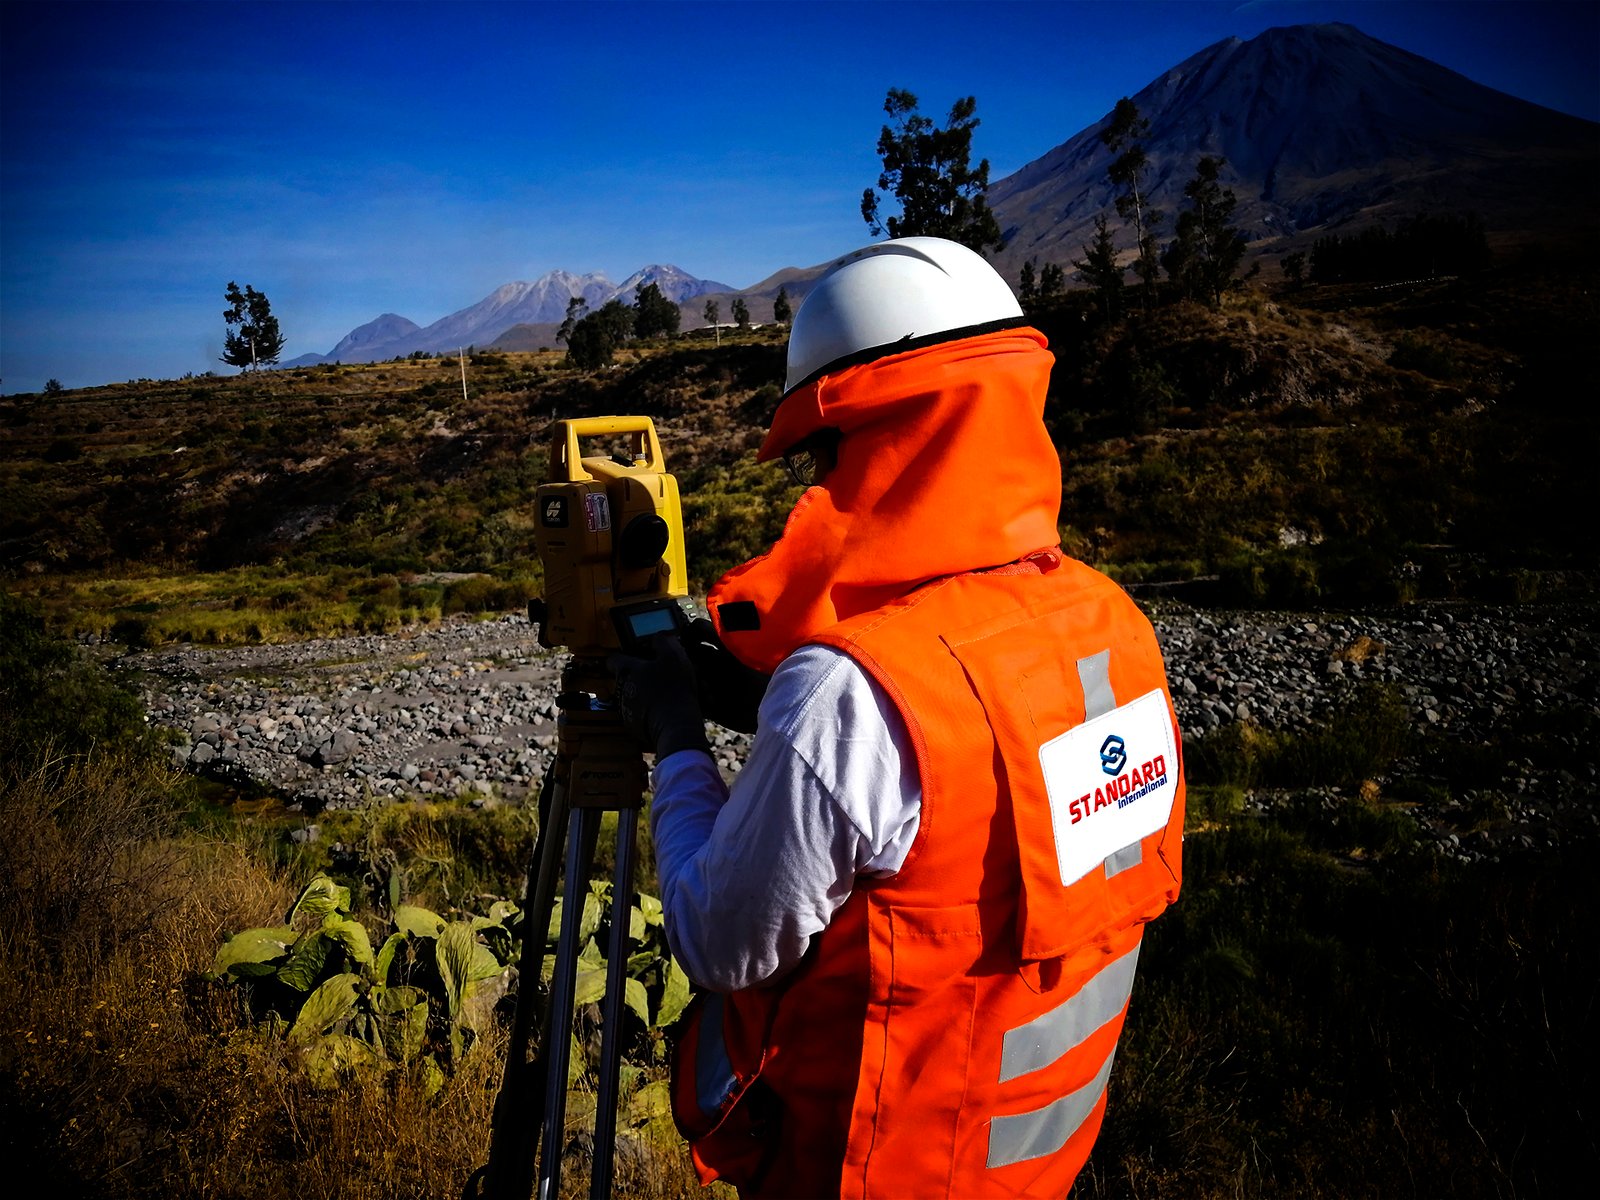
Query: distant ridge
{"type": "Point", "coordinates": [542, 302]}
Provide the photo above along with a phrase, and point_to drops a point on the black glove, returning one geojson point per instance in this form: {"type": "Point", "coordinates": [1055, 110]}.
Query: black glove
{"type": "Point", "coordinates": [730, 692]}
{"type": "Point", "coordinates": [657, 697]}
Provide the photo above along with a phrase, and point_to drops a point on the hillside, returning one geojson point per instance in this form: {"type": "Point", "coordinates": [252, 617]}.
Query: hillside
{"type": "Point", "coordinates": [1322, 128]}
{"type": "Point", "coordinates": [1339, 444]}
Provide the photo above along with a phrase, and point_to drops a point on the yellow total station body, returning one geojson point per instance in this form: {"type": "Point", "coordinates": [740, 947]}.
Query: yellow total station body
{"type": "Point", "coordinates": [610, 534]}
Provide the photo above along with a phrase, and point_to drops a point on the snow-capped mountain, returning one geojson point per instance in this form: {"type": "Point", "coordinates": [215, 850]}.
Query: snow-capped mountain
{"type": "Point", "coordinates": [542, 302]}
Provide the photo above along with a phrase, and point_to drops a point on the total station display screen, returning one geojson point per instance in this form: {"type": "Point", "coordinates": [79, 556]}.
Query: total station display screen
{"type": "Point", "coordinates": [655, 620]}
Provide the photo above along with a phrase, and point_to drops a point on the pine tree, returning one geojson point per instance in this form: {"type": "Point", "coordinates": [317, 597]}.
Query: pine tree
{"type": "Point", "coordinates": [654, 314]}
{"type": "Point", "coordinates": [1100, 270]}
{"type": "Point", "coordinates": [1052, 283]}
{"type": "Point", "coordinates": [1207, 249]}
{"type": "Point", "coordinates": [928, 171]}
{"type": "Point", "coordinates": [1027, 285]}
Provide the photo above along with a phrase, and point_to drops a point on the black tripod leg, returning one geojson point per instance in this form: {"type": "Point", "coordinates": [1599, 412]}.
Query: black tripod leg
{"type": "Point", "coordinates": [555, 1053]}
{"type": "Point", "coordinates": [519, 1107]}
{"type": "Point", "coordinates": [617, 950]}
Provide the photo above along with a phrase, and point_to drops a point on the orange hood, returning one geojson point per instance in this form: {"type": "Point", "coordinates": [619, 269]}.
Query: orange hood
{"type": "Point", "coordinates": [945, 467]}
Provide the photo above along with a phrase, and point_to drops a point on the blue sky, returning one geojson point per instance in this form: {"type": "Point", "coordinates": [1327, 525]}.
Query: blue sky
{"type": "Point", "coordinates": [350, 159]}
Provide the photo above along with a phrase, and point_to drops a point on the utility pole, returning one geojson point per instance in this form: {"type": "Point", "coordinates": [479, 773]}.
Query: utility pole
{"type": "Point", "coordinates": [462, 351]}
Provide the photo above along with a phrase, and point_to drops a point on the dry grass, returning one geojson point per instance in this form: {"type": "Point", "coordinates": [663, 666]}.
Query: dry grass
{"type": "Point", "coordinates": [124, 1074]}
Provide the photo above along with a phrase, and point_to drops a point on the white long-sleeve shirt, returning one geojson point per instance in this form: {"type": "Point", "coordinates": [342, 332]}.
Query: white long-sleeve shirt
{"type": "Point", "coordinates": [829, 792]}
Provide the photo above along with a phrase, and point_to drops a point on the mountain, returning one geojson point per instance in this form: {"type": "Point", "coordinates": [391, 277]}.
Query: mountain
{"type": "Point", "coordinates": [1321, 126]}
{"type": "Point", "coordinates": [388, 328]}
{"type": "Point", "coordinates": [677, 286]}
{"type": "Point", "coordinates": [542, 302]}
{"type": "Point", "coordinates": [681, 288]}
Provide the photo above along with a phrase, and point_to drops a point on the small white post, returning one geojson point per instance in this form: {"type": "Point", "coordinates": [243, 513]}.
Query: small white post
{"type": "Point", "coordinates": [463, 354]}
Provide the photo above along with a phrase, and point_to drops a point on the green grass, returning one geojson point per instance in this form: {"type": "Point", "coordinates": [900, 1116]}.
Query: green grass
{"type": "Point", "coordinates": [253, 605]}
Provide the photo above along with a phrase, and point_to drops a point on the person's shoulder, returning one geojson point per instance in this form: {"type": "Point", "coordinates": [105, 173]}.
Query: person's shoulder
{"type": "Point", "coordinates": [821, 679]}
{"type": "Point", "coordinates": [813, 671]}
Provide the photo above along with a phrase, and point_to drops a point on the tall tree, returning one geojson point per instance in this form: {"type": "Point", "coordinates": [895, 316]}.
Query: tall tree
{"type": "Point", "coordinates": [617, 319]}
{"type": "Point", "coordinates": [654, 314]}
{"type": "Point", "coordinates": [1052, 282]}
{"type": "Point", "coordinates": [253, 339]}
{"type": "Point", "coordinates": [1027, 285]}
{"type": "Point", "coordinates": [590, 345]}
{"type": "Point", "coordinates": [576, 308]}
{"type": "Point", "coordinates": [928, 170]}
{"type": "Point", "coordinates": [593, 340]}
{"type": "Point", "coordinates": [1124, 136]}
{"type": "Point", "coordinates": [1100, 269]}
{"type": "Point", "coordinates": [741, 313]}
{"type": "Point", "coordinates": [1207, 249]}
{"type": "Point", "coordinates": [781, 312]}
{"type": "Point", "coordinates": [1294, 269]}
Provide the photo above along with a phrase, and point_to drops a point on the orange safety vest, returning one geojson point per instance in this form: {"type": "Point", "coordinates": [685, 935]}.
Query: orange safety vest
{"type": "Point", "coordinates": [952, 1031]}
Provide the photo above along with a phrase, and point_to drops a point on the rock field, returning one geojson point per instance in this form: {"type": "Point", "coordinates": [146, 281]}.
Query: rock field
{"type": "Point", "coordinates": [467, 708]}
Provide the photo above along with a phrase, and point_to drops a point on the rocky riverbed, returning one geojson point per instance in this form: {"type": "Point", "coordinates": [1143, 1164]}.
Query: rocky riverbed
{"type": "Point", "coordinates": [467, 708]}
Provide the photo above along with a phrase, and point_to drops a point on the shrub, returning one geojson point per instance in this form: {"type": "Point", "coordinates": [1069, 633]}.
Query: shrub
{"type": "Point", "coordinates": [1413, 352]}
{"type": "Point", "coordinates": [482, 593]}
{"type": "Point", "coordinates": [62, 450]}
{"type": "Point", "coordinates": [135, 632]}
{"type": "Point", "coordinates": [53, 703]}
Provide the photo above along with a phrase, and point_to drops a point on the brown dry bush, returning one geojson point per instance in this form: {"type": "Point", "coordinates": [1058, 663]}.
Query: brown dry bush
{"type": "Point", "coordinates": [124, 1074]}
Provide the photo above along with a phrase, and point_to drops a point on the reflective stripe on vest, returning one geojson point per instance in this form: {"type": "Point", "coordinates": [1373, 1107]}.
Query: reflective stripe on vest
{"type": "Point", "coordinates": [1043, 1041]}
{"type": "Point", "coordinates": [1045, 1130]}
{"type": "Point", "coordinates": [1094, 674]}
{"type": "Point", "coordinates": [1046, 1038]}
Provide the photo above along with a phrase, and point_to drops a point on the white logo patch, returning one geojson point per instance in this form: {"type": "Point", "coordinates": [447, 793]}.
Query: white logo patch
{"type": "Point", "coordinates": [1111, 781]}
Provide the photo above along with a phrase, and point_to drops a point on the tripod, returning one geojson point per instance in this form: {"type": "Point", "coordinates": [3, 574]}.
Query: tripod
{"type": "Point", "coordinates": [597, 768]}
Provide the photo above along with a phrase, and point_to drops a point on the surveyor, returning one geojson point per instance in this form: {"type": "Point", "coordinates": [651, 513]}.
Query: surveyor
{"type": "Point", "coordinates": [916, 914]}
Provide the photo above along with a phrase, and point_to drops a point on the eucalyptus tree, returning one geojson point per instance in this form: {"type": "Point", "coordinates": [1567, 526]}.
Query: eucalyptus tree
{"type": "Point", "coordinates": [1124, 136]}
{"type": "Point", "coordinates": [928, 170]}
{"type": "Point", "coordinates": [253, 339]}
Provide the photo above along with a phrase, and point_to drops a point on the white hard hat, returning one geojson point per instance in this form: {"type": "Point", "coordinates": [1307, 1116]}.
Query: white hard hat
{"type": "Point", "coordinates": [875, 300]}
